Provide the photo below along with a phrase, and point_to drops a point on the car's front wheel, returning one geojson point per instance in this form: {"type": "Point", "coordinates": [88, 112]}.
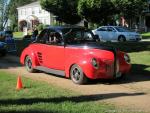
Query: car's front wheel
{"type": "Point", "coordinates": [77, 75]}
{"type": "Point", "coordinates": [28, 64]}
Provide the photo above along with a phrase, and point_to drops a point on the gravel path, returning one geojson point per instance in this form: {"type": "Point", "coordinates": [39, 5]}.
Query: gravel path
{"type": "Point", "coordinates": [133, 92]}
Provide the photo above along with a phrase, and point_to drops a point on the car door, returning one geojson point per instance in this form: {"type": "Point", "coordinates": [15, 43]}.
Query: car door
{"type": "Point", "coordinates": [52, 52]}
{"type": "Point", "coordinates": [111, 34]}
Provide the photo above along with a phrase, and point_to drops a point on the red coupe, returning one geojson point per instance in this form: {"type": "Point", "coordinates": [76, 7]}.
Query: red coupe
{"type": "Point", "coordinates": [74, 52]}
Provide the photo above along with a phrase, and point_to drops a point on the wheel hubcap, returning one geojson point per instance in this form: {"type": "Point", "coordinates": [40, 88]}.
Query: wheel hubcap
{"type": "Point", "coordinates": [28, 64]}
{"type": "Point", "coordinates": [76, 74]}
{"type": "Point", "coordinates": [121, 39]}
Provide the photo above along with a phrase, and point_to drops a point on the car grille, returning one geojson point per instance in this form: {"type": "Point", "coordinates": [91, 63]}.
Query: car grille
{"type": "Point", "coordinates": [116, 63]}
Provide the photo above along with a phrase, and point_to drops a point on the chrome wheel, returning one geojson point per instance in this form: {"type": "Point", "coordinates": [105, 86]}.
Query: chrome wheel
{"type": "Point", "coordinates": [77, 75]}
{"type": "Point", "coordinates": [28, 64]}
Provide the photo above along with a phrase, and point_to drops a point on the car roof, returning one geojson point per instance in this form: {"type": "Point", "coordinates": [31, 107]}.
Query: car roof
{"type": "Point", "coordinates": [59, 28]}
{"type": "Point", "coordinates": [110, 26]}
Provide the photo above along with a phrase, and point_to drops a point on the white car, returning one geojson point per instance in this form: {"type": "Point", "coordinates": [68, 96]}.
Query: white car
{"type": "Point", "coordinates": [116, 33]}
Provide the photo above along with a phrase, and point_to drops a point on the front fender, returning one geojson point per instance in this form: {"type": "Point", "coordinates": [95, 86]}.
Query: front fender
{"type": "Point", "coordinates": [82, 61]}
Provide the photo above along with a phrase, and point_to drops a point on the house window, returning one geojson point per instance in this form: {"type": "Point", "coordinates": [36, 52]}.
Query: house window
{"type": "Point", "coordinates": [40, 10]}
{"type": "Point", "coordinates": [33, 12]}
{"type": "Point", "coordinates": [29, 10]}
{"type": "Point", "coordinates": [19, 12]}
{"type": "Point", "coordinates": [23, 11]}
{"type": "Point", "coordinates": [36, 9]}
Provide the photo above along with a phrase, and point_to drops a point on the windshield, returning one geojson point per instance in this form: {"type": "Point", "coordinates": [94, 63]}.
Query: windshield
{"type": "Point", "coordinates": [122, 29]}
{"type": "Point", "coordinates": [77, 36]}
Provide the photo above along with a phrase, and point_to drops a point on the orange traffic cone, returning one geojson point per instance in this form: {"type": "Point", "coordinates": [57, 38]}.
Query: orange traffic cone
{"type": "Point", "coordinates": [19, 83]}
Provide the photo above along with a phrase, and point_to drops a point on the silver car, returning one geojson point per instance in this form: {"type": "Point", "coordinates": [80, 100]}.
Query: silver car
{"type": "Point", "coordinates": [116, 33]}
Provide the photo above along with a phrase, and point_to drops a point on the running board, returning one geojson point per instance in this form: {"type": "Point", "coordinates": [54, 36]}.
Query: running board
{"type": "Point", "coordinates": [52, 71]}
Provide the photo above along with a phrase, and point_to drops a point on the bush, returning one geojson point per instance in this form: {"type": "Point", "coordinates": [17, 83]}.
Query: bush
{"type": "Point", "coordinates": [16, 29]}
{"type": "Point", "coordinates": [45, 26]}
{"type": "Point", "coordinates": [40, 27]}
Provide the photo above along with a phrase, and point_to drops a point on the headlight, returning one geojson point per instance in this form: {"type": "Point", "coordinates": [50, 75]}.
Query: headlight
{"type": "Point", "coordinates": [95, 63]}
{"type": "Point", "coordinates": [127, 58]}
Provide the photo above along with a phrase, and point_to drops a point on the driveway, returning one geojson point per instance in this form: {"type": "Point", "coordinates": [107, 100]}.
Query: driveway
{"type": "Point", "coordinates": [133, 92]}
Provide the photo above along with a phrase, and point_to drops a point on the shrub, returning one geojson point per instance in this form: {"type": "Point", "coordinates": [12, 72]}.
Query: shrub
{"type": "Point", "coordinates": [40, 27]}
{"type": "Point", "coordinates": [16, 29]}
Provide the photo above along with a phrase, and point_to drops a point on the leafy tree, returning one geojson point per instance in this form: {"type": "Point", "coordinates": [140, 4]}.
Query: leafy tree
{"type": "Point", "coordinates": [130, 8]}
{"type": "Point", "coordinates": [65, 10]}
{"type": "Point", "coordinates": [96, 11]}
{"type": "Point", "coordinates": [103, 11]}
{"type": "Point", "coordinates": [3, 13]}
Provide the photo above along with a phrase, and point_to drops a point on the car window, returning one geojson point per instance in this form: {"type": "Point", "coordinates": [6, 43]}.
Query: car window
{"type": "Point", "coordinates": [79, 36]}
{"type": "Point", "coordinates": [43, 36]}
{"type": "Point", "coordinates": [102, 29]}
{"type": "Point", "coordinates": [54, 38]}
{"type": "Point", "coordinates": [122, 29]}
{"type": "Point", "coordinates": [110, 29]}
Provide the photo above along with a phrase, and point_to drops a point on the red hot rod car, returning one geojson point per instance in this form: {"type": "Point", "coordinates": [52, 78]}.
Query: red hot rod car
{"type": "Point", "coordinates": [74, 52]}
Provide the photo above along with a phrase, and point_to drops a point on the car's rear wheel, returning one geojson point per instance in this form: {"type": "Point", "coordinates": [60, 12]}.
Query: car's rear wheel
{"type": "Point", "coordinates": [77, 75]}
{"type": "Point", "coordinates": [121, 38]}
{"type": "Point", "coordinates": [3, 53]}
{"type": "Point", "coordinates": [28, 64]}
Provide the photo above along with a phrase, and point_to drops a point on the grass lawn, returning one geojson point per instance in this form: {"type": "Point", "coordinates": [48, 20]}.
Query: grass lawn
{"type": "Point", "coordinates": [18, 34]}
{"type": "Point", "coordinates": [146, 35]}
{"type": "Point", "coordinates": [140, 63]}
{"type": "Point", "coordinates": [40, 97]}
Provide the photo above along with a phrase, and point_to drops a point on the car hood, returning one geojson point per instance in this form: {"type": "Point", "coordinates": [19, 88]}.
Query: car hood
{"type": "Point", "coordinates": [94, 45]}
{"type": "Point", "coordinates": [130, 33]}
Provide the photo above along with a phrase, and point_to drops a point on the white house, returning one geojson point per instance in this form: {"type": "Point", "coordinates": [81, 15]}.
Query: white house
{"type": "Point", "coordinates": [31, 14]}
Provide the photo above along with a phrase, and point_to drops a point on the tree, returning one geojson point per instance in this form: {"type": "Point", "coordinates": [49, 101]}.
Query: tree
{"type": "Point", "coordinates": [3, 13]}
{"type": "Point", "coordinates": [65, 10]}
{"type": "Point", "coordinates": [96, 11]}
{"type": "Point", "coordinates": [130, 8]}
{"type": "Point", "coordinates": [103, 11]}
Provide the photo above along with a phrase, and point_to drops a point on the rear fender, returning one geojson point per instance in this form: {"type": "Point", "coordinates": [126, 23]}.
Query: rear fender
{"type": "Point", "coordinates": [28, 52]}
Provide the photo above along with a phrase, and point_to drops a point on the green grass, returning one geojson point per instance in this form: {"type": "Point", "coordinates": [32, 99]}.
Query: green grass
{"type": "Point", "coordinates": [141, 63]}
{"type": "Point", "coordinates": [18, 34]}
{"type": "Point", "coordinates": [146, 35]}
{"type": "Point", "coordinates": [40, 97]}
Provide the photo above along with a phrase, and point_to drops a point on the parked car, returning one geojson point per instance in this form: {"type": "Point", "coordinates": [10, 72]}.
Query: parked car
{"type": "Point", "coordinates": [116, 33]}
{"type": "Point", "coordinates": [7, 37]}
{"type": "Point", "coordinates": [74, 53]}
{"type": "Point", "coordinates": [4, 34]}
{"type": "Point", "coordinates": [3, 49]}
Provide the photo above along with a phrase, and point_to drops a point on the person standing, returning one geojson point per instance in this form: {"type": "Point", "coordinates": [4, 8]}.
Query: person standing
{"type": "Point", "coordinates": [34, 34]}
